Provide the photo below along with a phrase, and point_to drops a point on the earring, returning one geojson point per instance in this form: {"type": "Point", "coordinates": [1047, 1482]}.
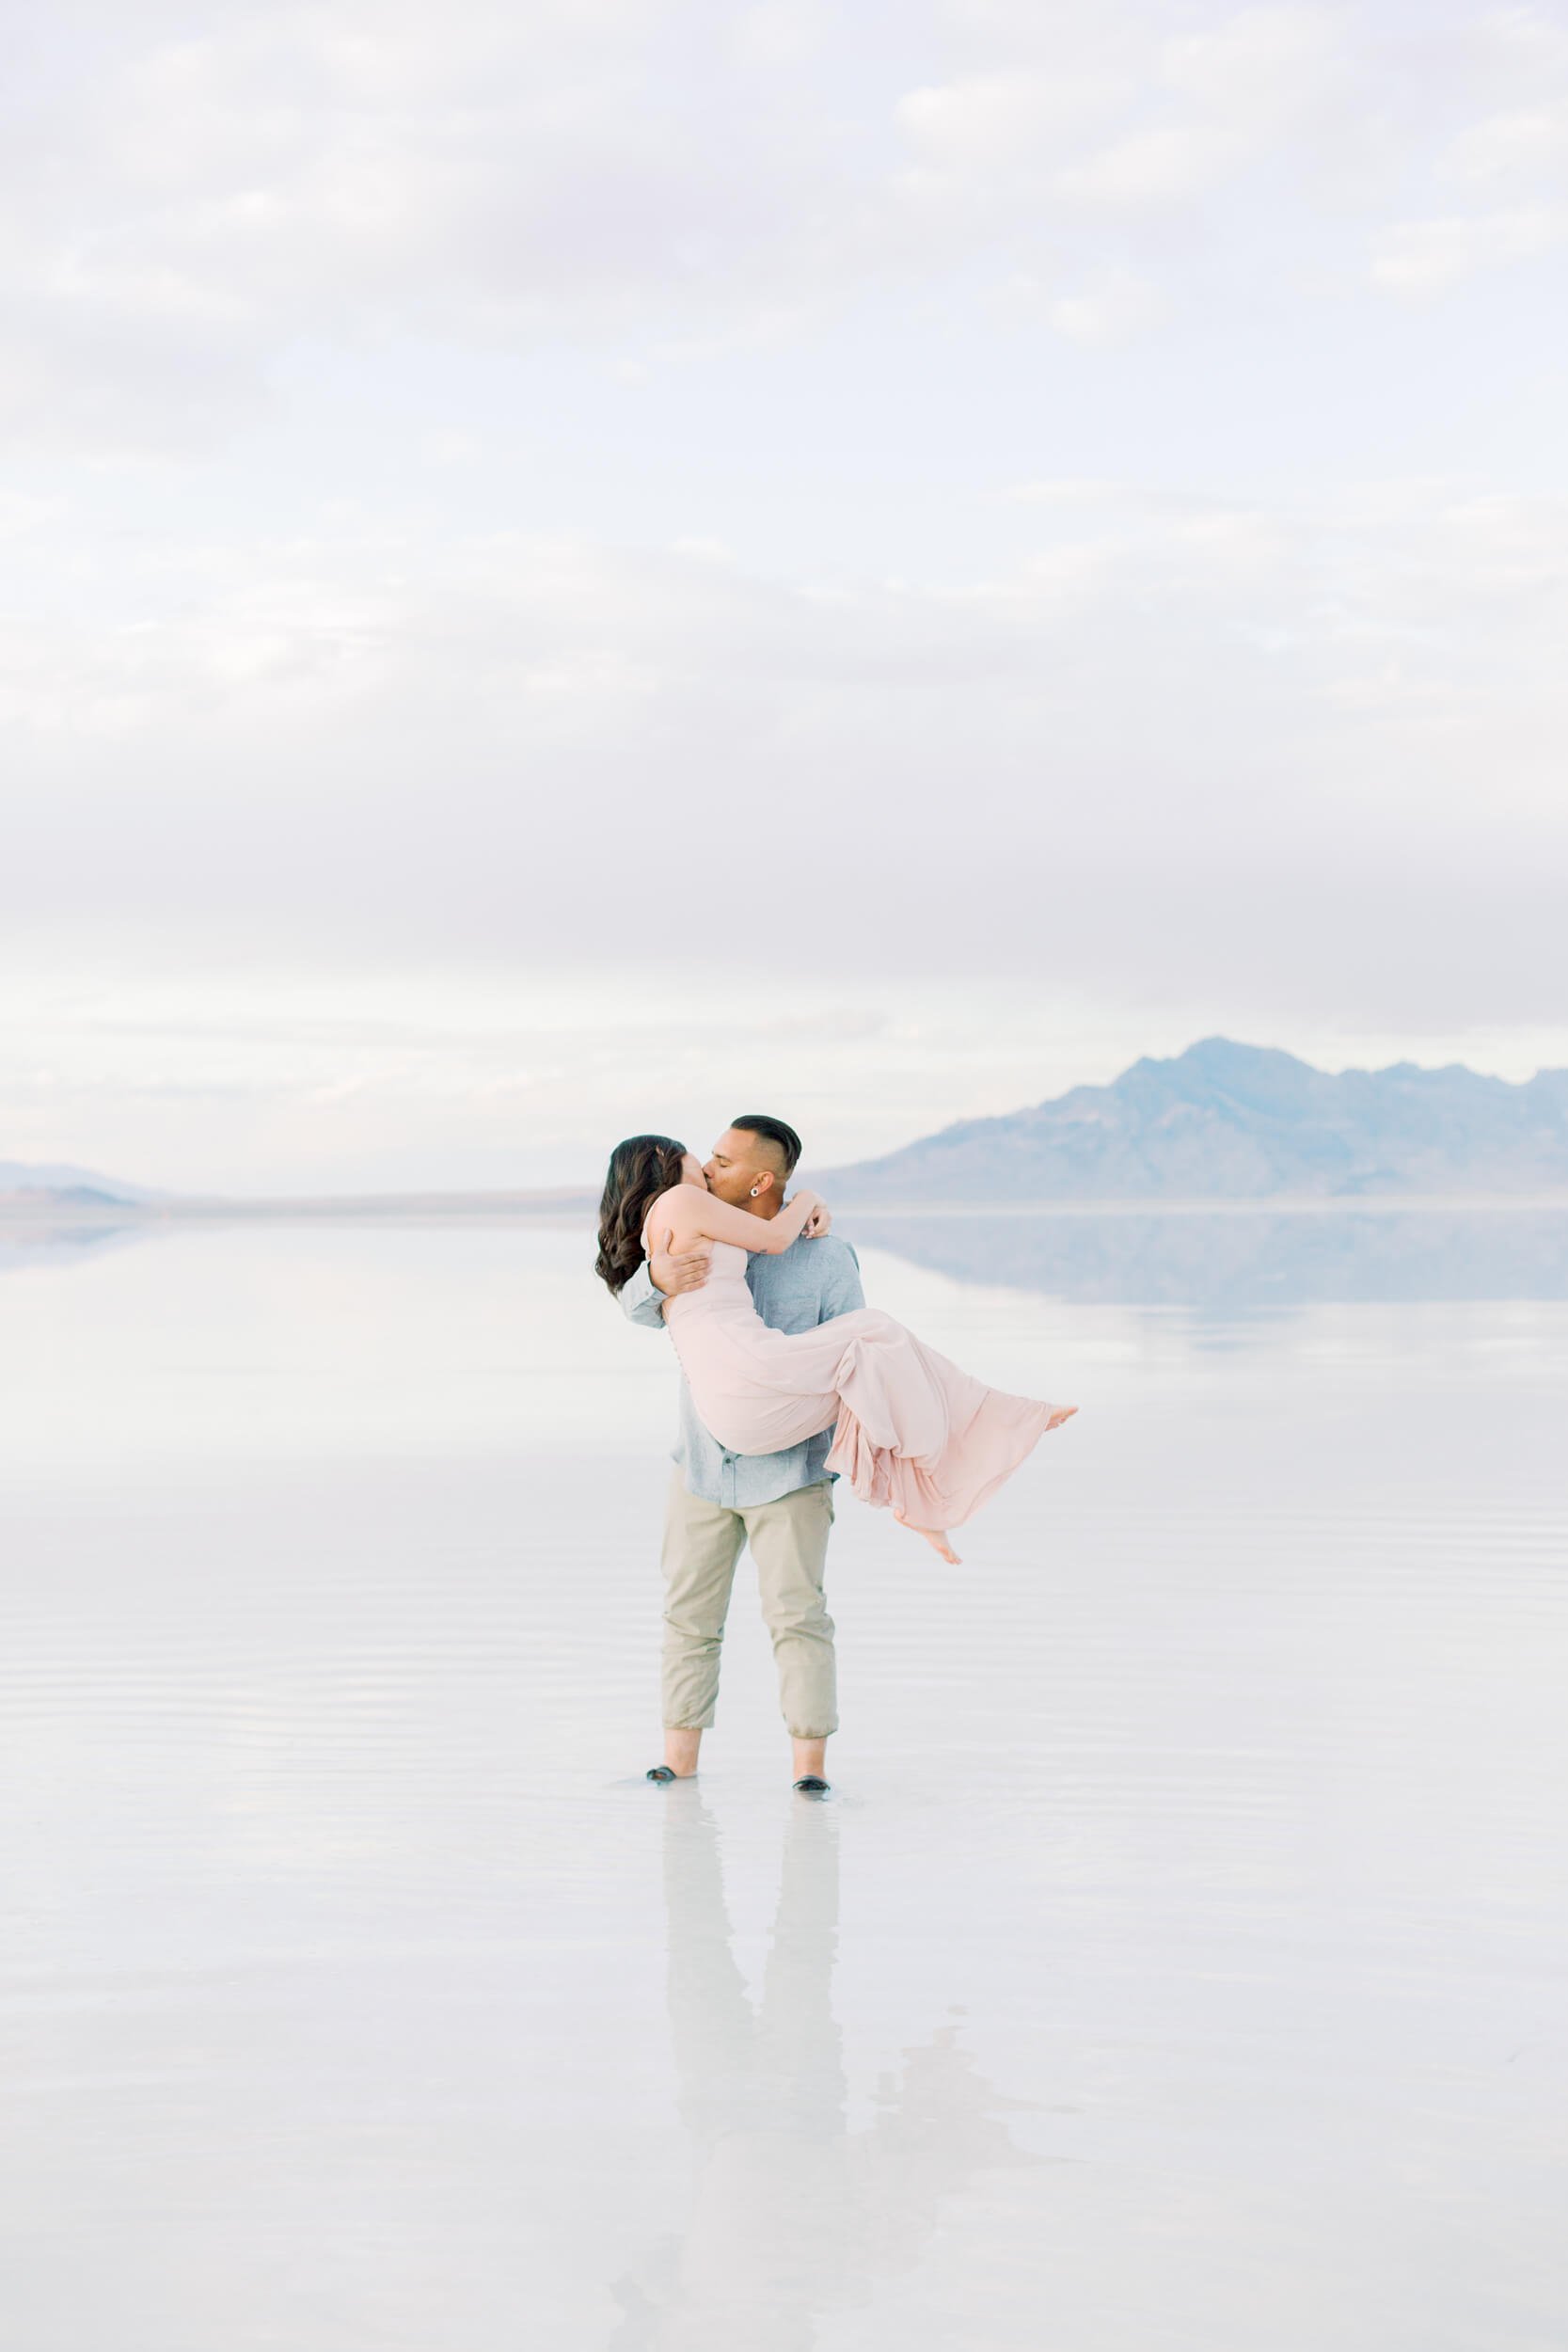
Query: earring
{"type": "Point", "coordinates": [755, 1189]}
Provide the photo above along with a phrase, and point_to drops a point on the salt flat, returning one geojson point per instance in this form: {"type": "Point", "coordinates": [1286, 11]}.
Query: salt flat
{"type": "Point", "coordinates": [1179, 1962]}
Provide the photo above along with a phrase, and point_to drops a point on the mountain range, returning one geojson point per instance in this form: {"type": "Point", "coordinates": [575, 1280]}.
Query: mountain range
{"type": "Point", "coordinates": [22, 1182]}
{"type": "Point", "coordinates": [1221, 1121]}
{"type": "Point", "coordinates": [1225, 1120]}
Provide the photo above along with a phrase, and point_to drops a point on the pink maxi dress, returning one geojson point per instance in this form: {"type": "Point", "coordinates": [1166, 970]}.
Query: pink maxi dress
{"type": "Point", "coordinates": [915, 1434]}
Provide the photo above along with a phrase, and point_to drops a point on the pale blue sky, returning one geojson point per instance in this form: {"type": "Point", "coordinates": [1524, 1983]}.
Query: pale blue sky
{"type": "Point", "coordinates": [562, 566]}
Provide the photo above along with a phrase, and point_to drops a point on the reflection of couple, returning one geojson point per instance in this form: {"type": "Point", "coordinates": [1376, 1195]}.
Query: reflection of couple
{"type": "Point", "coordinates": [789, 1380]}
{"type": "Point", "coordinates": [793, 2215]}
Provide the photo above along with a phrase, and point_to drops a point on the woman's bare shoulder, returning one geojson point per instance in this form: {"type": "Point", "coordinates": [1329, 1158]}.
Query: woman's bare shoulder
{"type": "Point", "coordinates": [680, 1206]}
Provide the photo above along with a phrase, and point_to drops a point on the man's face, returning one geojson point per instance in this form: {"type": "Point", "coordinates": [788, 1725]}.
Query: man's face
{"type": "Point", "coordinates": [739, 1161]}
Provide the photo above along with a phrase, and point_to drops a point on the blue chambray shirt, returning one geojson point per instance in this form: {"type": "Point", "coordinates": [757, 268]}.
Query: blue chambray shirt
{"type": "Point", "coordinates": [806, 1284]}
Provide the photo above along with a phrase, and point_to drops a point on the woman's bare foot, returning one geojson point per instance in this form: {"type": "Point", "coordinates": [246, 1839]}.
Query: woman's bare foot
{"type": "Point", "coordinates": [1063, 1412]}
{"type": "Point", "coordinates": [936, 1537]}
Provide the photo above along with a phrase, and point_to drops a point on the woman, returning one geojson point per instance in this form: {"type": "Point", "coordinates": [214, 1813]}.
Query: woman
{"type": "Point", "coordinates": [914, 1434]}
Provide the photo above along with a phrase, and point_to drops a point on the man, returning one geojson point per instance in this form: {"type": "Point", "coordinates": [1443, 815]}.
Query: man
{"type": "Point", "coordinates": [780, 1505]}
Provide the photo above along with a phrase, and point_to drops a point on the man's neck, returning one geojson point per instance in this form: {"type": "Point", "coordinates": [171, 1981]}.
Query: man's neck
{"type": "Point", "coordinates": [766, 1204]}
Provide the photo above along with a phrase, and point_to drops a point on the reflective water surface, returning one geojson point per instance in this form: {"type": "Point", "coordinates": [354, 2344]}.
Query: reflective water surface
{"type": "Point", "coordinates": [1179, 1962]}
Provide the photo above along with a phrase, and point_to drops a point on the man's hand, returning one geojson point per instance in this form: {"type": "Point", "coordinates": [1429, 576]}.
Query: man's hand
{"type": "Point", "coordinates": [688, 1272]}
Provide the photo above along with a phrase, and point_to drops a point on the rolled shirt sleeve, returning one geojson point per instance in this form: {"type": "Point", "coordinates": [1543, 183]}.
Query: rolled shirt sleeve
{"type": "Point", "coordinates": [642, 1303]}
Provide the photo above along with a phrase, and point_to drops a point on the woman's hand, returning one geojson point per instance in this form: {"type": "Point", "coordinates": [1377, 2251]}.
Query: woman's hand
{"type": "Point", "coordinates": [819, 1222]}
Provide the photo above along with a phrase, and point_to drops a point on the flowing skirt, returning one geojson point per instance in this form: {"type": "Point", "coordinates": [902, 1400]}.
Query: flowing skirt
{"type": "Point", "coordinates": [914, 1432]}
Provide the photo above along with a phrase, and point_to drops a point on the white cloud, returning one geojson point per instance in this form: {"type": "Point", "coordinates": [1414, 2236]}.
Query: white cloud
{"type": "Point", "coordinates": [1003, 120]}
{"type": "Point", "coordinates": [489, 746]}
{"type": "Point", "coordinates": [779, 33]}
{"type": "Point", "coordinates": [1118, 309]}
{"type": "Point", "coordinates": [203, 198]}
{"type": "Point", "coordinates": [1423, 258]}
{"type": "Point", "coordinates": [452, 445]}
{"type": "Point", "coordinates": [1530, 144]}
{"type": "Point", "coordinates": [1071, 490]}
{"type": "Point", "coordinates": [1163, 165]}
{"type": "Point", "coordinates": [1257, 68]}
{"type": "Point", "coordinates": [904, 457]}
{"type": "Point", "coordinates": [206, 195]}
{"type": "Point", "coordinates": [1517, 48]}
{"type": "Point", "coordinates": [1248, 79]}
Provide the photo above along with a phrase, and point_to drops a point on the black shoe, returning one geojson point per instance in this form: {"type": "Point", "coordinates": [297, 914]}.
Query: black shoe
{"type": "Point", "coordinates": [661, 1772]}
{"type": "Point", "coordinates": [812, 1787]}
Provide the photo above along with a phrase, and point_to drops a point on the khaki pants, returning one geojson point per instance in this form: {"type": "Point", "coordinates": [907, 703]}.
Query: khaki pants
{"type": "Point", "coordinates": [789, 1543]}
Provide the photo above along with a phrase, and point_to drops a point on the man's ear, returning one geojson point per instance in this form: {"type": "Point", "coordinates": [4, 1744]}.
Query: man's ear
{"type": "Point", "coordinates": [763, 1180]}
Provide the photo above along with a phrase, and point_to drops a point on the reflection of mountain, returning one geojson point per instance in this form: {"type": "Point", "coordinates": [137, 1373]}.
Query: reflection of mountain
{"type": "Point", "coordinates": [1219, 1257]}
{"type": "Point", "coordinates": [61, 1228]}
{"type": "Point", "coordinates": [1240, 1258]}
{"type": "Point", "coordinates": [793, 2215]}
{"type": "Point", "coordinates": [1226, 1121]}
{"type": "Point", "coordinates": [26, 1242]}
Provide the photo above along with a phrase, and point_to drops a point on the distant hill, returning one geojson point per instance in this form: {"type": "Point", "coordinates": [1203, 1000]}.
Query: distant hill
{"type": "Point", "coordinates": [21, 1182]}
{"type": "Point", "coordinates": [1222, 1122]}
{"type": "Point", "coordinates": [1230, 1122]}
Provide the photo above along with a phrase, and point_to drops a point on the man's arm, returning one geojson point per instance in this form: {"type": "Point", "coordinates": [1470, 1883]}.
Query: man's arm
{"type": "Point", "coordinates": [841, 1286]}
{"type": "Point", "coordinates": [640, 1301]}
{"type": "Point", "coordinates": [661, 1277]}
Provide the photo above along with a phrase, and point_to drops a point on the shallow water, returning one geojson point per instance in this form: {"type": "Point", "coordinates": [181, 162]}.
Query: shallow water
{"type": "Point", "coordinates": [1179, 1963]}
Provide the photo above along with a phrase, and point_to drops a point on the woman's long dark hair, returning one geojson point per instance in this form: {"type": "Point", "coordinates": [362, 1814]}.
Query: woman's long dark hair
{"type": "Point", "coordinates": [639, 1169]}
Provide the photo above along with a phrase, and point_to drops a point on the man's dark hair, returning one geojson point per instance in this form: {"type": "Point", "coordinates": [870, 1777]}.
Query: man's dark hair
{"type": "Point", "coordinates": [785, 1140]}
